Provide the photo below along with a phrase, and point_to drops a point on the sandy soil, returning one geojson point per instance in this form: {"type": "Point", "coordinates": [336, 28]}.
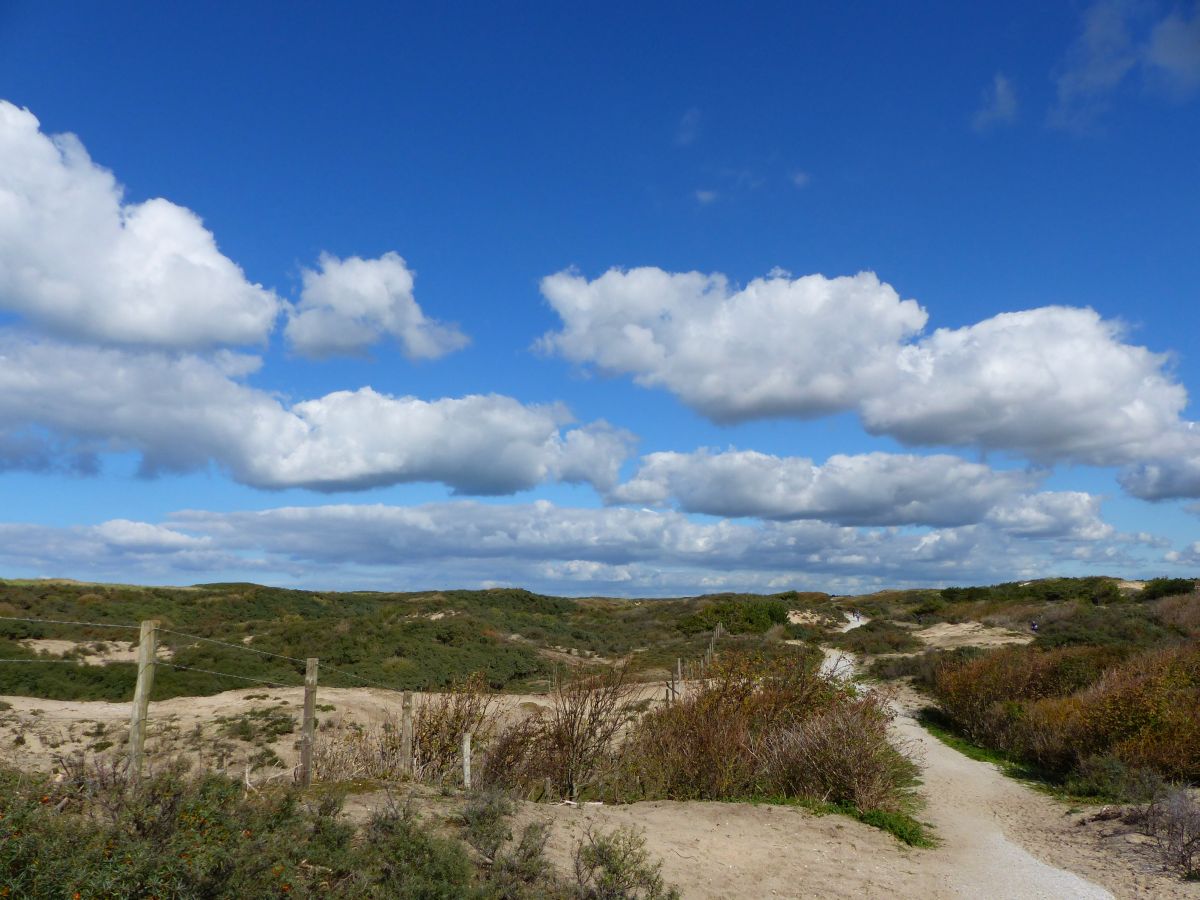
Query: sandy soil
{"type": "Point", "coordinates": [92, 653]}
{"type": "Point", "coordinates": [948, 635]}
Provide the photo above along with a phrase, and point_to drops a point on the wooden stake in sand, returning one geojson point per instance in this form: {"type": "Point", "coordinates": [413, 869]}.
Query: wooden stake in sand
{"type": "Point", "coordinates": [309, 727]}
{"type": "Point", "coordinates": [147, 648]}
{"type": "Point", "coordinates": [406, 734]}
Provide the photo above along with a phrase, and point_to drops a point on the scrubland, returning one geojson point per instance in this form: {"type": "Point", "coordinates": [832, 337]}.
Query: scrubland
{"type": "Point", "coordinates": [586, 781]}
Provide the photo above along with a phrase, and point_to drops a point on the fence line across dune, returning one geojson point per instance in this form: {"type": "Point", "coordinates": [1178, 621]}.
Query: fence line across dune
{"type": "Point", "coordinates": [147, 662]}
{"type": "Point", "coordinates": [404, 754]}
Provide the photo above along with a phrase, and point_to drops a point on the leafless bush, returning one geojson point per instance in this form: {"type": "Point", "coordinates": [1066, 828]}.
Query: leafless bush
{"type": "Point", "coordinates": [441, 721]}
{"type": "Point", "coordinates": [1174, 822]}
{"type": "Point", "coordinates": [582, 725]}
{"type": "Point", "coordinates": [350, 752]}
{"type": "Point", "coordinates": [571, 745]}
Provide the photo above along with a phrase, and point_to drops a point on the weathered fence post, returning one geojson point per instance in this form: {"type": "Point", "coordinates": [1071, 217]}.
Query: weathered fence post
{"type": "Point", "coordinates": [309, 727]}
{"type": "Point", "coordinates": [147, 650]}
{"type": "Point", "coordinates": [406, 734]}
{"type": "Point", "coordinates": [466, 755]}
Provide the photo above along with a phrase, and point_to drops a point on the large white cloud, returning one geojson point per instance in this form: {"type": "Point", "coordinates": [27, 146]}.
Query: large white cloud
{"type": "Point", "coordinates": [78, 259]}
{"type": "Point", "coordinates": [864, 489]}
{"type": "Point", "coordinates": [183, 412]}
{"type": "Point", "coordinates": [1073, 515]}
{"type": "Point", "coordinates": [350, 304]}
{"type": "Point", "coordinates": [777, 347]}
{"type": "Point", "coordinates": [1049, 384]}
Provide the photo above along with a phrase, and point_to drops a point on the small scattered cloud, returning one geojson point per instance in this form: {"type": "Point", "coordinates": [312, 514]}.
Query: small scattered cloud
{"type": "Point", "coordinates": [1174, 51]}
{"type": "Point", "coordinates": [705, 197]}
{"type": "Point", "coordinates": [550, 548]}
{"type": "Point", "coordinates": [800, 179]}
{"type": "Point", "coordinates": [1117, 39]}
{"type": "Point", "coordinates": [688, 129]}
{"type": "Point", "coordinates": [349, 304]}
{"type": "Point", "coordinates": [999, 105]}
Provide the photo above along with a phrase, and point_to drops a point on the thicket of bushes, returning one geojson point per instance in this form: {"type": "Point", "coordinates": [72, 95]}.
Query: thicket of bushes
{"type": "Point", "coordinates": [756, 727]}
{"type": "Point", "coordinates": [93, 835]}
{"type": "Point", "coordinates": [738, 615]}
{"type": "Point", "coordinates": [1072, 709]}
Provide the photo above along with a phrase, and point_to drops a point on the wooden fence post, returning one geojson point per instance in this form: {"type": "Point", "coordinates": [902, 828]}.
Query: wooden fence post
{"type": "Point", "coordinates": [466, 755]}
{"type": "Point", "coordinates": [406, 734]}
{"type": "Point", "coordinates": [147, 650]}
{"type": "Point", "coordinates": [308, 730]}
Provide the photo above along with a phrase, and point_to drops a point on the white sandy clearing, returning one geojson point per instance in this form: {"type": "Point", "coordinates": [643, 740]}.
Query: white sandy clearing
{"type": "Point", "coordinates": [948, 635]}
{"type": "Point", "coordinates": [92, 653]}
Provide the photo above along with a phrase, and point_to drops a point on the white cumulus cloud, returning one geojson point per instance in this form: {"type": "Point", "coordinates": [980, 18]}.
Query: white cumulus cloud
{"type": "Point", "coordinates": [349, 304]}
{"type": "Point", "coordinates": [863, 489]}
{"type": "Point", "coordinates": [777, 347]}
{"type": "Point", "coordinates": [76, 258]}
{"type": "Point", "coordinates": [183, 412]}
{"type": "Point", "coordinates": [1048, 384]}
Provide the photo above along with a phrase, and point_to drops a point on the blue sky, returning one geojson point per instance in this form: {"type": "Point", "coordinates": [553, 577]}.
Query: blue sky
{"type": "Point", "coordinates": [628, 299]}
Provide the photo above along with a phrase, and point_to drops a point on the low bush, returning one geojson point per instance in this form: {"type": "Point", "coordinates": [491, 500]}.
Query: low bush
{"type": "Point", "coordinates": [840, 756]}
{"type": "Point", "coordinates": [737, 615]}
{"type": "Point", "coordinates": [922, 668]}
{"type": "Point", "coordinates": [615, 866]}
{"type": "Point", "coordinates": [764, 728]}
{"type": "Point", "coordinates": [877, 637]}
{"type": "Point", "coordinates": [92, 833]}
{"type": "Point", "coordinates": [1167, 587]}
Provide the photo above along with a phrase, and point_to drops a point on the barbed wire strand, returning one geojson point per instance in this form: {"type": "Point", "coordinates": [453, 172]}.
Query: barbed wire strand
{"type": "Point", "coordinates": [65, 622]}
{"type": "Point", "coordinates": [228, 675]}
{"type": "Point", "coordinates": [326, 668]}
{"type": "Point", "coordinates": [74, 662]}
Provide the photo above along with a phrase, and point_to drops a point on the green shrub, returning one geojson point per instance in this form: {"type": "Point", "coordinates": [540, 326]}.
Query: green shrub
{"type": "Point", "coordinates": [616, 866]}
{"type": "Point", "coordinates": [1167, 587]}
{"type": "Point", "coordinates": [877, 637]}
{"type": "Point", "coordinates": [743, 615]}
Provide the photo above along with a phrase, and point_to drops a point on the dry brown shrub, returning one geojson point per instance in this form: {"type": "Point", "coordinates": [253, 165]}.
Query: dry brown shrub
{"type": "Point", "coordinates": [441, 720]}
{"type": "Point", "coordinates": [571, 745]}
{"type": "Point", "coordinates": [841, 755]}
{"type": "Point", "coordinates": [350, 752]}
{"type": "Point", "coordinates": [1182, 612]}
{"type": "Point", "coordinates": [1173, 820]}
{"type": "Point", "coordinates": [707, 744]}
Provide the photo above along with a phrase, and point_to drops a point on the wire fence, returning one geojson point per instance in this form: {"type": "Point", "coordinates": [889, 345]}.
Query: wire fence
{"type": "Point", "coordinates": [325, 668]}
